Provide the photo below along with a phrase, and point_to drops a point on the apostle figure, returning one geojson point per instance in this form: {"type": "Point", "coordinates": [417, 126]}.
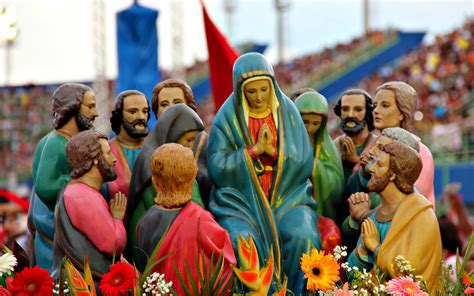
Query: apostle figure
{"type": "Point", "coordinates": [85, 224]}
{"type": "Point", "coordinates": [130, 123]}
{"type": "Point", "coordinates": [327, 176]}
{"type": "Point", "coordinates": [394, 106]}
{"type": "Point", "coordinates": [179, 124]}
{"type": "Point", "coordinates": [260, 162]}
{"type": "Point", "coordinates": [192, 231]}
{"type": "Point", "coordinates": [362, 205]}
{"type": "Point", "coordinates": [354, 107]}
{"type": "Point", "coordinates": [404, 224]}
{"type": "Point", "coordinates": [74, 110]}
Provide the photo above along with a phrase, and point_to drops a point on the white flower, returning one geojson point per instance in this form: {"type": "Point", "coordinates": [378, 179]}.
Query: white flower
{"type": "Point", "coordinates": [155, 284]}
{"type": "Point", "coordinates": [340, 252]}
{"type": "Point", "coordinates": [7, 263]}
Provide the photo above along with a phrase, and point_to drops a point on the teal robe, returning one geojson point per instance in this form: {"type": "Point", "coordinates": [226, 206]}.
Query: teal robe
{"type": "Point", "coordinates": [327, 175]}
{"type": "Point", "coordinates": [50, 175]}
{"type": "Point", "coordinates": [286, 221]}
{"type": "Point", "coordinates": [172, 125]}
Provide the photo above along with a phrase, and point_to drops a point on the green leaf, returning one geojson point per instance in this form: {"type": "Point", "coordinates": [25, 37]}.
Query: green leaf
{"type": "Point", "coordinates": [183, 284]}
{"type": "Point", "coordinates": [200, 275]}
{"type": "Point", "coordinates": [191, 279]}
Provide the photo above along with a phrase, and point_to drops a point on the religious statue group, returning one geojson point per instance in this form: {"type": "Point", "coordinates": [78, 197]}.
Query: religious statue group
{"type": "Point", "coordinates": [268, 169]}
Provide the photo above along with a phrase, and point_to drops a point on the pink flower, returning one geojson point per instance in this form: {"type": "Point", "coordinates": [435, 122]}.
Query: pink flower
{"type": "Point", "coordinates": [404, 286]}
{"type": "Point", "coordinates": [344, 291]}
{"type": "Point", "coordinates": [469, 290]}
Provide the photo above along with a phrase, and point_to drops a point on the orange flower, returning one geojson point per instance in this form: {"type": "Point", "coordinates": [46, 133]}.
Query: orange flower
{"type": "Point", "coordinates": [466, 280]}
{"type": "Point", "coordinates": [250, 274]}
{"type": "Point", "coordinates": [322, 271]}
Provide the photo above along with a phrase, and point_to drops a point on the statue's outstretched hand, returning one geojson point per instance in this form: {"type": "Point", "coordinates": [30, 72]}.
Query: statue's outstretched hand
{"type": "Point", "coordinates": [359, 205]}
{"type": "Point", "coordinates": [370, 235]}
{"type": "Point", "coordinates": [118, 205]}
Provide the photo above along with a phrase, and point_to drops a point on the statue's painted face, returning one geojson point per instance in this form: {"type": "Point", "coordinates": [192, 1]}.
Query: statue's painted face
{"type": "Point", "coordinates": [87, 112]}
{"type": "Point", "coordinates": [169, 96]}
{"type": "Point", "coordinates": [257, 93]}
{"type": "Point", "coordinates": [107, 162]}
{"type": "Point", "coordinates": [386, 111]}
{"type": "Point", "coordinates": [353, 113]}
{"type": "Point", "coordinates": [380, 171]}
{"type": "Point", "coordinates": [375, 150]}
{"type": "Point", "coordinates": [187, 140]}
{"type": "Point", "coordinates": [135, 116]}
{"type": "Point", "coordinates": [312, 122]}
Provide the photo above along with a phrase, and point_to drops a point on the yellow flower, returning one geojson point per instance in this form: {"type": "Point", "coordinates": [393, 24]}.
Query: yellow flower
{"type": "Point", "coordinates": [322, 271]}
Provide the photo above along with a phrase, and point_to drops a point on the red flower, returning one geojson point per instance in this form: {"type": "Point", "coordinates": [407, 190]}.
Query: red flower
{"type": "Point", "coordinates": [4, 292]}
{"type": "Point", "coordinates": [466, 280]}
{"type": "Point", "coordinates": [31, 281]}
{"type": "Point", "coordinates": [469, 291]}
{"type": "Point", "coordinates": [119, 280]}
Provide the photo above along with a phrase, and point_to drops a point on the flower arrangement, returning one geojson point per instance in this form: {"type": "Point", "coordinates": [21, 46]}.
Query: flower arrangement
{"type": "Point", "coordinates": [321, 270]}
{"type": "Point", "coordinates": [322, 273]}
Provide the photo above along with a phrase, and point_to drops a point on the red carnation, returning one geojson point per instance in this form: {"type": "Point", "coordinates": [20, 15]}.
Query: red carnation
{"type": "Point", "coordinates": [4, 292]}
{"type": "Point", "coordinates": [119, 280]}
{"type": "Point", "coordinates": [31, 281]}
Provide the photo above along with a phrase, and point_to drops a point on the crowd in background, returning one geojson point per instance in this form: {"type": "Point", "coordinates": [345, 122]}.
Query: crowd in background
{"type": "Point", "coordinates": [313, 69]}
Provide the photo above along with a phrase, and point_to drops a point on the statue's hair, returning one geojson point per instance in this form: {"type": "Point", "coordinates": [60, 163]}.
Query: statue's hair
{"type": "Point", "coordinates": [173, 170]}
{"type": "Point", "coordinates": [82, 150]}
{"type": "Point", "coordinates": [66, 101]}
{"type": "Point", "coordinates": [401, 135]}
{"type": "Point", "coordinates": [405, 163]}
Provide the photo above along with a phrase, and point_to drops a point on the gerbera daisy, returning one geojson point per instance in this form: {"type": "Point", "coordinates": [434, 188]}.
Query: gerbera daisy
{"type": "Point", "coordinates": [404, 286]}
{"type": "Point", "coordinates": [31, 281]}
{"type": "Point", "coordinates": [119, 280]}
{"type": "Point", "coordinates": [7, 263]}
{"type": "Point", "coordinates": [4, 292]}
{"type": "Point", "coordinates": [322, 271]}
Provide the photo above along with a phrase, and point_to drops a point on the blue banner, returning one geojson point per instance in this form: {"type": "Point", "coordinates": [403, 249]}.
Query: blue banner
{"type": "Point", "coordinates": [137, 44]}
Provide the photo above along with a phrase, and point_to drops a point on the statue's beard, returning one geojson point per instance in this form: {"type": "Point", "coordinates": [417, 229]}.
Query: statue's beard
{"type": "Point", "coordinates": [359, 126]}
{"type": "Point", "coordinates": [84, 123]}
{"type": "Point", "coordinates": [106, 170]}
{"type": "Point", "coordinates": [378, 184]}
{"type": "Point", "coordinates": [132, 131]}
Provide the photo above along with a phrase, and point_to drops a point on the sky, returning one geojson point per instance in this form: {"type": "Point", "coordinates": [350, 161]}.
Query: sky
{"type": "Point", "coordinates": [55, 37]}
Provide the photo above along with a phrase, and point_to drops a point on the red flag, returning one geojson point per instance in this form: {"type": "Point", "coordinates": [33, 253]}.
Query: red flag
{"type": "Point", "coordinates": [221, 60]}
